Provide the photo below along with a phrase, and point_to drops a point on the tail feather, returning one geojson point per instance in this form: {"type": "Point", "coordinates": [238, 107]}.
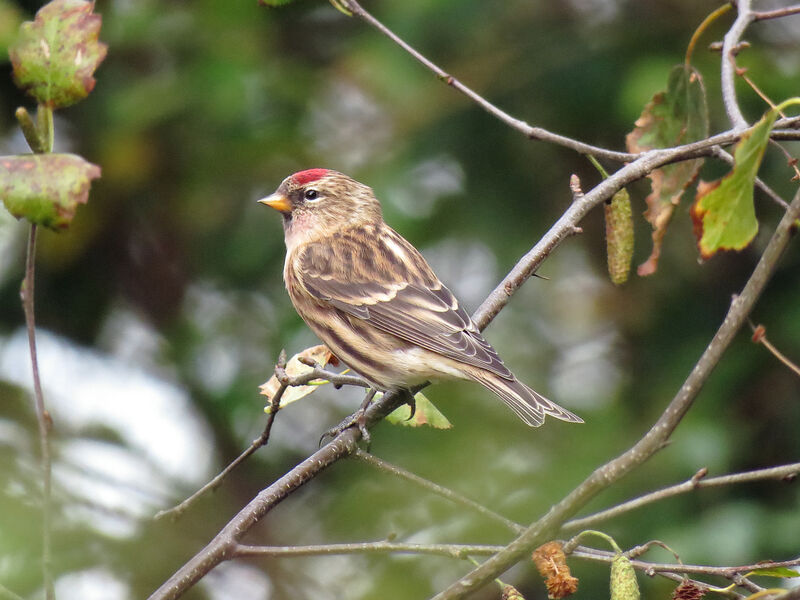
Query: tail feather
{"type": "Point", "coordinates": [530, 406]}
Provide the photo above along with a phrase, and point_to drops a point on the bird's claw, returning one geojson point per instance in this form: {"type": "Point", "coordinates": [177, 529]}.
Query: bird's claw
{"type": "Point", "coordinates": [357, 419]}
{"type": "Point", "coordinates": [412, 404]}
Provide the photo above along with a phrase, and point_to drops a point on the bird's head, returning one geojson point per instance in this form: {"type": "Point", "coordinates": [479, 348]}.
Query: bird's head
{"type": "Point", "coordinates": [317, 202]}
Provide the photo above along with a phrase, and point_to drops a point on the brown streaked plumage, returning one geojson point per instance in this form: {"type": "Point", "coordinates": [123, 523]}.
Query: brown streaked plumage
{"type": "Point", "coordinates": [374, 300]}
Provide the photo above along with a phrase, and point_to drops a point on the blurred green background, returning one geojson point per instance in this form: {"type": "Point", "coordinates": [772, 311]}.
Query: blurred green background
{"type": "Point", "coordinates": [162, 308]}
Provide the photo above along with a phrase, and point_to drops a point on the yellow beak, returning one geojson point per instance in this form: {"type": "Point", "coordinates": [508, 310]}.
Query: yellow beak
{"type": "Point", "coordinates": [277, 201]}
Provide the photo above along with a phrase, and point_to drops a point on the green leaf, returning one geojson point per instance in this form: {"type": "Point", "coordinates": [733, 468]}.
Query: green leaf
{"type": "Point", "coordinates": [425, 414]}
{"type": "Point", "coordinates": [676, 116]}
{"type": "Point", "coordinates": [46, 188]}
{"type": "Point", "coordinates": [274, 2]}
{"type": "Point", "coordinates": [57, 53]}
{"type": "Point", "coordinates": [781, 572]}
{"type": "Point", "coordinates": [723, 213]}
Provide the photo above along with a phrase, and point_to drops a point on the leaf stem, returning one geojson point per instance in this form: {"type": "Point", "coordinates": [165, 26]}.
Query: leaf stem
{"type": "Point", "coordinates": [701, 29]}
{"type": "Point", "coordinates": [44, 116]}
{"type": "Point", "coordinates": [42, 415]}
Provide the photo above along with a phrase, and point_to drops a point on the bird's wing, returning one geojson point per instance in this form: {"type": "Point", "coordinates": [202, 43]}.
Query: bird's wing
{"type": "Point", "coordinates": [388, 283]}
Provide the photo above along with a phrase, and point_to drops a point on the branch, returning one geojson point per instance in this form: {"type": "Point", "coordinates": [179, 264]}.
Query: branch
{"type": "Point", "coordinates": [783, 472]}
{"type": "Point", "coordinates": [286, 381]}
{"type": "Point", "coordinates": [652, 568]}
{"type": "Point", "coordinates": [729, 42]}
{"type": "Point", "coordinates": [437, 489]}
{"type": "Point", "coordinates": [777, 13]}
{"type": "Point", "coordinates": [656, 437]}
{"type": "Point", "coordinates": [7, 594]}
{"type": "Point", "coordinates": [535, 133]}
{"type": "Point", "coordinates": [225, 542]}
{"type": "Point", "coordinates": [449, 550]}
{"type": "Point", "coordinates": [665, 569]}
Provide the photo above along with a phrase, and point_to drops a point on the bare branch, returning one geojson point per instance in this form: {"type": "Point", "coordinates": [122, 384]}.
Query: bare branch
{"type": "Point", "coordinates": [7, 594]}
{"type": "Point", "coordinates": [656, 437]}
{"type": "Point", "coordinates": [437, 489]}
{"type": "Point", "coordinates": [652, 568]}
{"type": "Point", "coordinates": [777, 13]}
{"type": "Point", "coordinates": [450, 550]}
{"type": "Point", "coordinates": [783, 472]}
{"type": "Point", "coordinates": [730, 41]}
{"type": "Point", "coordinates": [535, 133]}
{"type": "Point", "coordinates": [225, 542]}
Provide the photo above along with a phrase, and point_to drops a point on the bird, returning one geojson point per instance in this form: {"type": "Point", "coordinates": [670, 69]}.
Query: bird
{"type": "Point", "coordinates": [374, 300]}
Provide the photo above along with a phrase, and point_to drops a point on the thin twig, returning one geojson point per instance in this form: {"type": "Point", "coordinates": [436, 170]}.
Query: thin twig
{"type": "Point", "coordinates": [536, 133]}
{"type": "Point", "coordinates": [437, 489]}
{"type": "Point", "coordinates": [777, 13]}
{"type": "Point", "coordinates": [728, 71]}
{"type": "Point", "coordinates": [7, 594]}
{"type": "Point", "coordinates": [316, 373]}
{"type": "Point", "coordinates": [656, 437]}
{"type": "Point", "coordinates": [42, 414]}
{"type": "Point", "coordinates": [652, 568]}
{"type": "Point", "coordinates": [450, 550]}
{"type": "Point", "coordinates": [760, 337]}
{"type": "Point", "coordinates": [337, 379]}
{"type": "Point", "coordinates": [225, 542]}
{"type": "Point", "coordinates": [788, 471]}
{"type": "Point", "coordinates": [177, 511]}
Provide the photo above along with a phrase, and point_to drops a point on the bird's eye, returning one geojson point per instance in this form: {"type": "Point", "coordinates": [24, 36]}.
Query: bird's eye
{"type": "Point", "coordinates": [311, 195]}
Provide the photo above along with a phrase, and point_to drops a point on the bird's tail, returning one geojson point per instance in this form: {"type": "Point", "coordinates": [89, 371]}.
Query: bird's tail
{"type": "Point", "coordinates": [529, 405]}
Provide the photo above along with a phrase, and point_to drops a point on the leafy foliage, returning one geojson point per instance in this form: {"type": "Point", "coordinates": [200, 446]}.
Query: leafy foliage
{"type": "Point", "coordinates": [46, 189]}
{"type": "Point", "coordinates": [678, 115]}
{"type": "Point", "coordinates": [58, 52]}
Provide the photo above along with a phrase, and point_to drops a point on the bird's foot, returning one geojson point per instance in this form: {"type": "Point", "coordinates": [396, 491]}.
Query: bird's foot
{"type": "Point", "coordinates": [412, 404]}
{"type": "Point", "coordinates": [357, 419]}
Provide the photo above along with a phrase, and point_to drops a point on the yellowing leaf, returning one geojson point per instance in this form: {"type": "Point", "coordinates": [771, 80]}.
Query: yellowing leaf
{"type": "Point", "coordinates": [46, 188]}
{"type": "Point", "coordinates": [678, 115]}
{"type": "Point", "coordinates": [57, 53]}
{"type": "Point", "coordinates": [295, 368]}
{"type": "Point", "coordinates": [425, 414]}
{"type": "Point", "coordinates": [723, 213]}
